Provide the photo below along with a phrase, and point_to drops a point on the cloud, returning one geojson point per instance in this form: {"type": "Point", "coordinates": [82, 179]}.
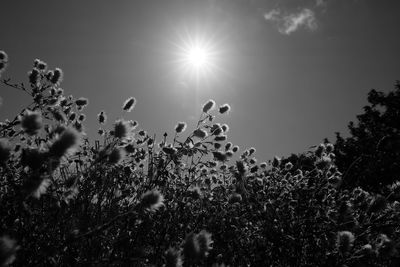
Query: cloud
{"type": "Point", "coordinates": [288, 23]}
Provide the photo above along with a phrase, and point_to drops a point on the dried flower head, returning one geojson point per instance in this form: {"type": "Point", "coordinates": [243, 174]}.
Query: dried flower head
{"type": "Point", "coordinates": [121, 129]}
{"type": "Point", "coordinates": [67, 143]}
{"type": "Point", "coordinates": [224, 108]}
{"type": "Point", "coordinates": [152, 200]}
{"type": "Point", "coordinates": [200, 133]}
{"type": "Point", "coordinates": [220, 138]}
{"type": "Point", "coordinates": [276, 162]}
{"type": "Point", "coordinates": [81, 102]}
{"type": "Point", "coordinates": [129, 104]}
{"type": "Point", "coordinates": [56, 76]}
{"type": "Point", "coordinates": [219, 156]}
{"type": "Point", "coordinates": [32, 122]}
{"type": "Point", "coordinates": [225, 127]}
{"type": "Point", "coordinates": [116, 156]}
{"type": "Point", "coordinates": [288, 166]}
{"type": "Point", "coordinates": [102, 117]}
{"type": "Point", "coordinates": [235, 149]}
{"type": "Point", "coordinates": [180, 127]}
{"type": "Point", "coordinates": [209, 105]}
{"type": "Point", "coordinates": [235, 197]}
{"type": "Point", "coordinates": [170, 150]}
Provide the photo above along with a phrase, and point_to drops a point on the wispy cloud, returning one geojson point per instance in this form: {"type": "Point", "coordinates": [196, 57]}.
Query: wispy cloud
{"type": "Point", "coordinates": [288, 23]}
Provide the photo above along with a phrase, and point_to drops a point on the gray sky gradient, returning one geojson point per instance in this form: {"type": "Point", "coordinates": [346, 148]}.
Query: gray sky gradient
{"type": "Point", "coordinates": [293, 72]}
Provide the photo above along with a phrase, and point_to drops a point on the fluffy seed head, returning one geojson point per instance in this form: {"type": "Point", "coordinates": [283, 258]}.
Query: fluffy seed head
{"type": "Point", "coordinates": [200, 133]}
{"type": "Point", "coordinates": [152, 200]}
{"type": "Point", "coordinates": [116, 156]}
{"type": "Point", "coordinates": [180, 127]}
{"type": "Point", "coordinates": [32, 122]}
{"type": "Point", "coordinates": [129, 104]}
{"type": "Point", "coordinates": [121, 129]}
{"type": "Point", "coordinates": [102, 117]}
{"type": "Point", "coordinates": [56, 76]}
{"type": "Point", "coordinates": [66, 143]}
{"type": "Point", "coordinates": [209, 105]}
{"type": "Point", "coordinates": [81, 102]}
{"type": "Point", "coordinates": [224, 108]}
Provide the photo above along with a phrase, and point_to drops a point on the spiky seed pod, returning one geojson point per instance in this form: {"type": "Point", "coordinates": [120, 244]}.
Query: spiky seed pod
{"type": "Point", "coordinates": [209, 105]}
{"type": "Point", "coordinates": [31, 122]}
{"type": "Point", "coordinates": [225, 108]}
{"type": "Point", "coordinates": [204, 240]}
{"type": "Point", "coordinates": [180, 127]}
{"type": "Point", "coordinates": [8, 249]}
{"type": "Point", "coordinates": [121, 129]}
{"type": "Point", "coordinates": [129, 104]}
{"type": "Point", "coordinates": [173, 258]}
{"type": "Point", "coordinates": [67, 142]}
{"type": "Point", "coordinates": [81, 102]}
{"type": "Point", "coordinates": [5, 150]}
{"type": "Point", "coordinates": [200, 133]}
{"type": "Point", "coordinates": [102, 117]}
{"type": "Point", "coordinates": [345, 240]}
{"type": "Point", "coordinates": [57, 76]}
{"type": "Point", "coordinates": [116, 156]}
{"type": "Point", "coordinates": [152, 200]}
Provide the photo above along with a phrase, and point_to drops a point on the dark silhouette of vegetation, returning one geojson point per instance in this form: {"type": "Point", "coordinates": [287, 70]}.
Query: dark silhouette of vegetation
{"type": "Point", "coordinates": [132, 199]}
{"type": "Point", "coordinates": [370, 157]}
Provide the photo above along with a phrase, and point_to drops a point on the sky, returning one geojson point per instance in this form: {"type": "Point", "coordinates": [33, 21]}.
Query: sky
{"type": "Point", "coordinates": [293, 72]}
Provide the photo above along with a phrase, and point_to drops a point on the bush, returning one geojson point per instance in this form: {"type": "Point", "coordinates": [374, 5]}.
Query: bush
{"type": "Point", "coordinates": [189, 200]}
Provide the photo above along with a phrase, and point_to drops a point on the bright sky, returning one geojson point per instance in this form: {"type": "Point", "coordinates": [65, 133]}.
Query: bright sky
{"type": "Point", "coordinates": [293, 72]}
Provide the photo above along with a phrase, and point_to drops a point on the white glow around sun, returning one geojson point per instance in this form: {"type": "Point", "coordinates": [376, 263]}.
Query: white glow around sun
{"type": "Point", "coordinates": [197, 57]}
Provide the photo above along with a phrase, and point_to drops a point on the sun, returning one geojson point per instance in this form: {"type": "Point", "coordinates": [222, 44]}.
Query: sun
{"type": "Point", "coordinates": [197, 57]}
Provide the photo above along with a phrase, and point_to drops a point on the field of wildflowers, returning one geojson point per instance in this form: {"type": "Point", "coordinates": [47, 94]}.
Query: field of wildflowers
{"type": "Point", "coordinates": [193, 199]}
